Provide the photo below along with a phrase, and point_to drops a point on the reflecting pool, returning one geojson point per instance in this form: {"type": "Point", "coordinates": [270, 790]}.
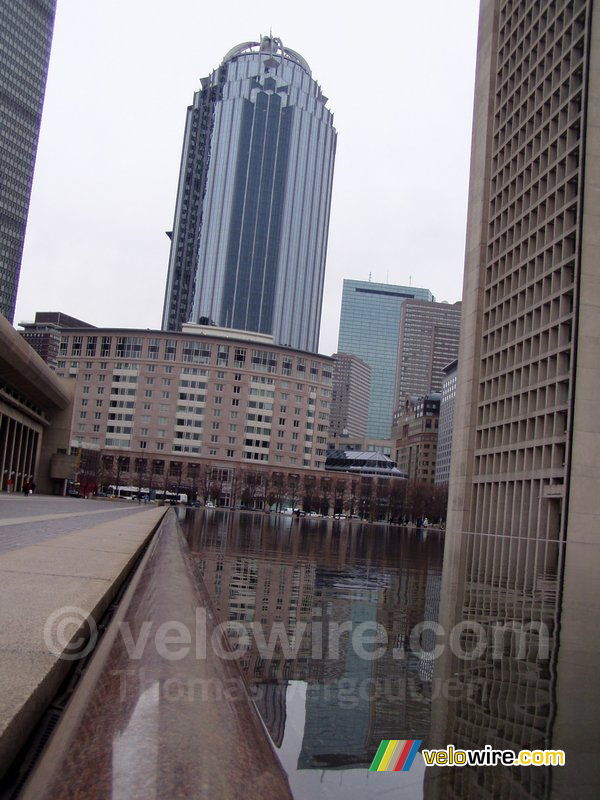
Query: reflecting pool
{"type": "Point", "coordinates": [351, 633]}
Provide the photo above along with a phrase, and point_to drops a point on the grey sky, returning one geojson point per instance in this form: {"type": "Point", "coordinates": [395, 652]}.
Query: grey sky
{"type": "Point", "coordinates": [399, 76]}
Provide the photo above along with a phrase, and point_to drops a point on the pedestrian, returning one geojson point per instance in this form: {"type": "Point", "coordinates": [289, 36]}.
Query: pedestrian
{"type": "Point", "coordinates": [25, 488]}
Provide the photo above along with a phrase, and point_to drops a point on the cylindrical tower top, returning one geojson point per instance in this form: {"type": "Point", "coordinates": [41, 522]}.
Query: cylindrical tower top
{"type": "Point", "coordinates": [269, 46]}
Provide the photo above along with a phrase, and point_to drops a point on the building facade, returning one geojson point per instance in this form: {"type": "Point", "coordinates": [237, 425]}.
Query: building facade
{"type": "Point", "coordinates": [446, 424]}
{"type": "Point", "coordinates": [249, 236]}
{"type": "Point", "coordinates": [369, 328]}
{"type": "Point", "coordinates": [205, 396]}
{"type": "Point", "coordinates": [522, 536]}
{"type": "Point", "coordinates": [428, 340]}
{"type": "Point", "coordinates": [44, 334]}
{"type": "Point", "coordinates": [415, 437]}
{"type": "Point", "coordinates": [25, 39]}
{"type": "Point", "coordinates": [35, 418]}
{"type": "Point", "coordinates": [351, 392]}
{"type": "Point", "coordinates": [529, 302]}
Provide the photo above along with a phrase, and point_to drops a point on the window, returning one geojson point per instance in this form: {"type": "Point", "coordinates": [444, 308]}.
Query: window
{"type": "Point", "coordinates": [153, 345]}
{"type": "Point", "coordinates": [170, 349]}
{"type": "Point", "coordinates": [239, 358]}
{"type": "Point", "coordinates": [235, 402]}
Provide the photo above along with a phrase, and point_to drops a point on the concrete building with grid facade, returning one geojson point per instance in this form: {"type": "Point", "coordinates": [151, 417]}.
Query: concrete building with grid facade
{"type": "Point", "coordinates": [428, 339]}
{"type": "Point", "coordinates": [530, 310]}
{"type": "Point", "coordinates": [522, 526]}
{"type": "Point", "coordinates": [25, 38]}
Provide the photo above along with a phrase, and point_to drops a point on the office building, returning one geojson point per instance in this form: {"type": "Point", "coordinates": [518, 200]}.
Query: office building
{"type": "Point", "coordinates": [369, 328]}
{"type": "Point", "coordinates": [249, 236]}
{"type": "Point", "coordinates": [415, 436]}
{"type": "Point", "coordinates": [44, 334]}
{"type": "Point", "coordinates": [446, 424]}
{"type": "Point", "coordinates": [428, 340]}
{"type": "Point", "coordinates": [527, 437]}
{"type": "Point", "coordinates": [522, 544]}
{"type": "Point", "coordinates": [25, 39]}
{"type": "Point", "coordinates": [350, 401]}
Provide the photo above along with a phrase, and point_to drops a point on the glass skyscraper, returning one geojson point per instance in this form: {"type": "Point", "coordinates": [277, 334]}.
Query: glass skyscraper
{"type": "Point", "coordinates": [252, 214]}
{"type": "Point", "coordinates": [25, 38]}
{"type": "Point", "coordinates": [369, 328]}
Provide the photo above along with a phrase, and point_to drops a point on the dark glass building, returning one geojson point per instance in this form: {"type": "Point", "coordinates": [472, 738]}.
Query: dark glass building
{"type": "Point", "coordinates": [25, 39]}
{"type": "Point", "coordinates": [252, 214]}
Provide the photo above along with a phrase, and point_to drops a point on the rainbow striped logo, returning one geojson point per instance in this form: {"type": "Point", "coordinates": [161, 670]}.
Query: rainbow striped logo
{"type": "Point", "coordinates": [395, 755]}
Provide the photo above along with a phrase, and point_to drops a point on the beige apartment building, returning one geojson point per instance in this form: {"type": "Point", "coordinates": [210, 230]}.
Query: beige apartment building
{"type": "Point", "coordinates": [152, 403]}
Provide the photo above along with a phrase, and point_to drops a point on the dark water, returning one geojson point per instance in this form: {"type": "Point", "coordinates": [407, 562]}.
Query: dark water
{"type": "Point", "coordinates": [334, 626]}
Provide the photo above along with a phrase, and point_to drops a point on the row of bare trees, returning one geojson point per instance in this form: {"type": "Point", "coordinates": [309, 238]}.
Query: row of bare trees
{"type": "Point", "coordinates": [368, 497]}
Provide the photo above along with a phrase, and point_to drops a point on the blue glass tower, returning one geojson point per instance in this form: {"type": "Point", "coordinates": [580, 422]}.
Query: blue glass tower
{"type": "Point", "coordinates": [370, 329]}
{"type": "Point", "coordinates": [249, 238]}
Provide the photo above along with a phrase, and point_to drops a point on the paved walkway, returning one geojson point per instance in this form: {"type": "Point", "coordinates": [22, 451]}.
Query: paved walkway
{"type": "Point", "coordinates": [61, 560]}
{"type": "Point", "coordinates": [33, 519]}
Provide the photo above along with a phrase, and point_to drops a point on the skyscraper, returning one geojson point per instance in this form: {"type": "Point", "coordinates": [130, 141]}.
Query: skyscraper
{"type": "Point", "coordinates": [526, 431]}
{"type": "Point", "coordinates": [428, 340]}
{"type": "Point", "coordinates": [369, 325]}
{"type": "Point", "coordinates": [522, 530]}
{"type": "Point", "coordinates": [350, 398]}
{"type": "Point", "coordinates": [25, 38]}
{"type": "Point", "coordinates": [251, 220]}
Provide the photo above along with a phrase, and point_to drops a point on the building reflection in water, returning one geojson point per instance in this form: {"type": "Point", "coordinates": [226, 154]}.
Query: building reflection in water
{"type": "Point", "coordinates": [527, 609]}
{"type": "Point", "coordinates": [320, 580]}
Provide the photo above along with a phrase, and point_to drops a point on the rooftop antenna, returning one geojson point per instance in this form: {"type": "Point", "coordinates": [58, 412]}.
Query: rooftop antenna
{"type": "Point", "coordinates": [369, 277]}
{"type": "Point", "coordinates": [410, 280]}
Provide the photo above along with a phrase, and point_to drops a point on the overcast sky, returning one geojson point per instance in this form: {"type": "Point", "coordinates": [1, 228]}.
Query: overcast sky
{"type": "Point", "coordinates": [399, 77]}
